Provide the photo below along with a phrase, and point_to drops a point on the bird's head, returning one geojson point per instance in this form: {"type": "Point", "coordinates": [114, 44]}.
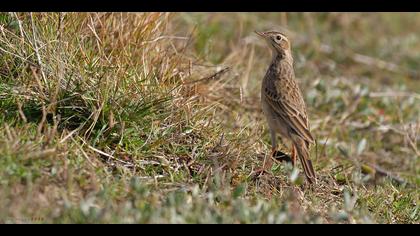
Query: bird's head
{"type": "Point", "coordinates": [277, 41]}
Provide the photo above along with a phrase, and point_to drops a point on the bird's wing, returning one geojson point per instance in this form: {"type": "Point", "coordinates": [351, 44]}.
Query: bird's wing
{"type": "Point", "coordinates": [286, 100]}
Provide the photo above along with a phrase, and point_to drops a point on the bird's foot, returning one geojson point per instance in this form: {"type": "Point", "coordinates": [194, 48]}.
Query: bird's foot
{"type": "Point", "coordinates": [281, 156]}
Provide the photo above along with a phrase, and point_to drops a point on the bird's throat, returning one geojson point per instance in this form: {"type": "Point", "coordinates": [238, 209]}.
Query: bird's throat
{"type": "Point", "coordinates": [281, 62]}
{"type": "Point", "coordinates": [279, 56]}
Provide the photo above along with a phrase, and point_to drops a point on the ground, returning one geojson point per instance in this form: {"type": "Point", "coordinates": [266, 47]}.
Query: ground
{"type": "Point", "coordinates": [156, 118]}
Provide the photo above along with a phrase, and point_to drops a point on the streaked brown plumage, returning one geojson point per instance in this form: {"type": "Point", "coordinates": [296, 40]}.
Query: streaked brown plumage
{"type": "Point", "coordinates": [283, 103]}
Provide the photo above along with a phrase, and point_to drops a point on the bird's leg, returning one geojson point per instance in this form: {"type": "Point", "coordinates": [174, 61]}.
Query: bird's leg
{"type": "Point", "coordinates": [273, 143]}
{"type": "Point", "coordinates": [268, 162]}
{"type": "Point", "coordinates": [293, 155]}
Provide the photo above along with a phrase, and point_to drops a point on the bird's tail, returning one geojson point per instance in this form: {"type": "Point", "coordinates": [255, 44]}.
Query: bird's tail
{"type": "Point", "coordinates": [302, 148]}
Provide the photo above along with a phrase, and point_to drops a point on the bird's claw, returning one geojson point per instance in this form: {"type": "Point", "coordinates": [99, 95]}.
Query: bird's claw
{"type": "Point", "coordinates": [281, 156]}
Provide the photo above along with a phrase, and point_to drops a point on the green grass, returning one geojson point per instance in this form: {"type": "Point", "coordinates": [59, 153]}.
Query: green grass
{"type": "Point", "coordinates": [116, 118]}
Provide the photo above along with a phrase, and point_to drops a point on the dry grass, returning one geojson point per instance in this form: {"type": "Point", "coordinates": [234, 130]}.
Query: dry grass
{"type": "Point", "coordinates": [155, 117]}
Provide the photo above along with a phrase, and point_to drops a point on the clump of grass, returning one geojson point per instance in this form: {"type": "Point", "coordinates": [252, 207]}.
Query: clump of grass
{"type": "Point", "coordinates": [103, 92]}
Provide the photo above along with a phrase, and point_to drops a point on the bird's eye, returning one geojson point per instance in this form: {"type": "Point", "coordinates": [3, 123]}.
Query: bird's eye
{"type": "Point", "coordinates": [278, 38]}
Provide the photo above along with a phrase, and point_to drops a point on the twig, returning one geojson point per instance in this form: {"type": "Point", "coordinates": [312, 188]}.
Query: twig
{"type": "Point", "coordinates": [382, 172]}
{"type": "Point", "coordinates": [376, 62]}
{"type": "Point", "coordinates": [18, 56]}
{"type": "Point", "coordinates": [393, 94]}
{"type": "Point", "coordinates": [110, 156]}
{"type": "Point", "coordinates": [38, 56]}
{"type": "Point", "coordinates": [42, 154]}
{"type": "Point", "coordinates": [21, 113]}
{"type": "Point", "coordinates": [352, 108]}
{"type": "Point", "coordinates": [22, 35]}
{"type": "Point", "coordinates": [70, 134]}
{"type": "Point", "coordinates": [164, 37]}
{"type": "Point", "coordinates": [42, 122]}
{"type": "Point", "coordinates": [371, 61]}
{"type": "Point", "coordinates": [215, 76]}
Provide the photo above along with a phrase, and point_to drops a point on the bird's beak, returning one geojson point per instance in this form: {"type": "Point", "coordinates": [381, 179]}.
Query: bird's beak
{"type": "Point", "coordinates": [261, 34]}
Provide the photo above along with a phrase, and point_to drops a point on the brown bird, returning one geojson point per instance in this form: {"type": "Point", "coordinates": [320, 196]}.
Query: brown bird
{"type": "Point", "coordinates": [283, 104]}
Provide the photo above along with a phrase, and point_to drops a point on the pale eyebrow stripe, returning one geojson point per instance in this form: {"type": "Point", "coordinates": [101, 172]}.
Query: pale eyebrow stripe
{"type": "Point", "coordinates": [282, 37]}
